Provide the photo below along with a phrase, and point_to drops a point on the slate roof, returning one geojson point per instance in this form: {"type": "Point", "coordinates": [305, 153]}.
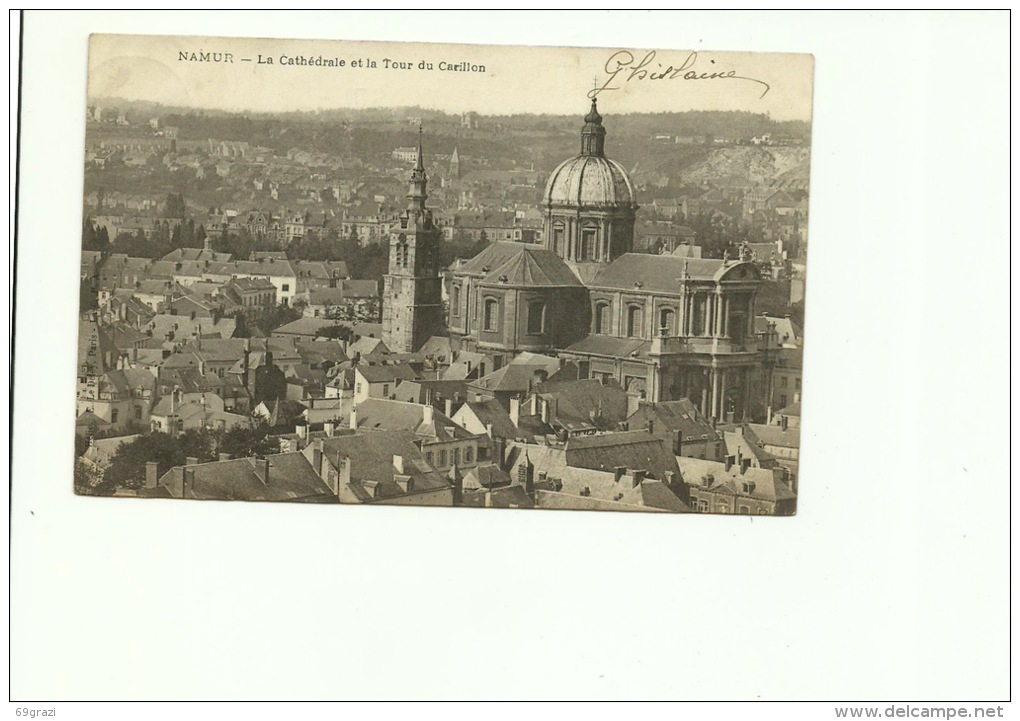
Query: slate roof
{"type": "Point", "coordinates": [490, 411]}
{"type": "Point", "coordinates": [488, 476]}
{"type": "Point", "coordinates": [304, 326]}
{"type": "Point", "coordinates": [317, 352]}
{"type": "Point", "coordinates": [506, 497]}
{"type": "Point", "coordinates": [669, 416]}
{"type": "Point", "coordinates": [380, 414]}
{"type": "Point", "coordinates": [366, 346]}
{"type": "Point", "coordinates": [513, 377]}
{"type": "Point", "coordinates": [630, 449]}
{"type": "Point", "coordinates": [379, 373]}
{"type": "Point", "coordinates": [371, 459]}
{"type": "Point", "coordinates": [775, 435]}
{"type": "Point", "coordinates": [532, 267]}
{"type": "Point", "coordinates": [588, 402]}
{"type": "Point", "coordinates": [611, 346]}
{"type": "Point", "coordinates": [291, 478]}
{"type": "Point", "coordinates": [553, 500]}
{"type": "Point", "coordinates": [493, 256]}
{"type": "Point", "coordinates": [657, 273]}
{"type": "Point", "coordinates": [768, 485]}
{"type": "Point", "coordinates": [87, 420]}
{"type": "Point", "coordinates": [791, 410]}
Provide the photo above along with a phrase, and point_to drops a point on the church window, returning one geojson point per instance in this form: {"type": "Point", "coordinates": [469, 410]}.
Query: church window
{"type": "Point", "coordinates": [491, 317]}
{"type": "Point", "coordinates": [666, 316]}
{"type": "Point", "coordinates": [536, 317]}
{"type": "Point", "coordinates": [602, 322]}
{"type": "Point", "coordinates": [589, 241]}
{"type": "Point", "coordinates": [455, 300]}
{"type": "Point", "coordinates": [634, 321]}
{"type": "Point", "coordinates": [557, 237]}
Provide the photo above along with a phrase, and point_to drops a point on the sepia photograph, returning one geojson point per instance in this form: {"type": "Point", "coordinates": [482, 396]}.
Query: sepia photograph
{"type": "Point", "coordinates": [440, 275]}
{"type": "Point", "coordinates": [307, 306]}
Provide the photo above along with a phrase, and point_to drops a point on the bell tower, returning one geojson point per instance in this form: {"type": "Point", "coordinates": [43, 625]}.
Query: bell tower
{"type": "Point", "coordinates": [412, 289]}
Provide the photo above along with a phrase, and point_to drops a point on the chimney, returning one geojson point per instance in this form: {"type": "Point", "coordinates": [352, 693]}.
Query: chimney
{"type": "Point", "coordinates": [515, 411]}
{"type": "Point", "coordinates": [786, 422]}
{"type": "Point", "coordinates": [343, 469]}
{"type": "Point", "coordinates": [449, 408]}
{"type": "Point", "coordinates": [317, 457]}
{"type": "Point", "coordinates": [151, 474]}
{"type": "Point", "coordinates": [224, 456]}
{"type": "Point", "coordinates": [191, 461]}
{"type": "Point", "coordinates": [398, 463]}
{"type": "Point", "coordinates": [354, 419]}
{"type": "Point", "coordinates": [329, 428]}
{"type": "Point", "coordinates": [549, 411]}
{"type": "Point", "coordinates": [678, 442]}
{"type": "Point", "coordinates": [637, 476]}
{"type": "Point", "coordinates": [729, 463]}
{"type": "Point", "coordinates": [262, 470]}
{"type": "Point", "coordinates": [428, 416]}
{"type": "Point", "coordinates": [499, 452]}
{"type": "Point", "coordinates": [187, 482]}
{"type": "Point", "coordinates": [301, 431]}
{"type": "Point", "coordinates": [619, 473]}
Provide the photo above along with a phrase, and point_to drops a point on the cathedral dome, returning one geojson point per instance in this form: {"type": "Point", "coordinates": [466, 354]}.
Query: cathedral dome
{"type": "Point", "coordinates": [589, 181]}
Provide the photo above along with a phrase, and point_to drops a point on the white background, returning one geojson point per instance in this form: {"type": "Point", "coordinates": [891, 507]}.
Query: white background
{"type": "Point", "coordinates": [891, 583]}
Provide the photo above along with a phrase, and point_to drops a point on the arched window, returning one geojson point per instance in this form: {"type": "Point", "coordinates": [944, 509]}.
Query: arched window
{"type": "Point", "coordinates": [536, 317]}
{"type": "Point", "coordinates": [589, 240]}
{"type": "Point", "coordinates": [557, 238]}
{"type": "Point", "coordinates": [491, 314]}
{"type": "Point", "coordinates": [666, 316]}
{"type": "Point", "coordinates": [634, 321]}
{"type": "Point", "coordinates": [602, 320]}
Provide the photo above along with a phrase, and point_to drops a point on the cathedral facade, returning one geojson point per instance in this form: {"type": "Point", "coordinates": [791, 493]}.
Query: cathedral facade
{"type": "Point", "coordinates": [665, 327]}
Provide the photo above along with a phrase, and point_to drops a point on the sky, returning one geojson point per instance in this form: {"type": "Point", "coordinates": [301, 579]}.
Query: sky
{"type": "Point", "coordinates": [505, 79]}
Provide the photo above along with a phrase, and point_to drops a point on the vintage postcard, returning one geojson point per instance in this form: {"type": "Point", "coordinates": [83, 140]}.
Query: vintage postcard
{"type": "Point", "coordinates": [445, 275]}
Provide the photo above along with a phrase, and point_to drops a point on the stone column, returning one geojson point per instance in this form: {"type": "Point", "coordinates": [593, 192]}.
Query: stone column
{"type": "Point", "coordinates": [704, 391]}
{"type": "Point", "coordinates": [718, 305]}
{"type": "Point", "coordinates": [716, 383]}
{"type": "Point", "coordinates": [745, 411]}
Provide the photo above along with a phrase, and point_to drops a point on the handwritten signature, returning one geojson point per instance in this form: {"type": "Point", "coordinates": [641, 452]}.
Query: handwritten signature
{"type": "Point", "coordinates": [623, 68]}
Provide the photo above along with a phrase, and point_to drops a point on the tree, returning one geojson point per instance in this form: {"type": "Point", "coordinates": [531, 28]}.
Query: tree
{"type": "Point", "coordinates": [247, 441]}
{"type": "Point", "coordinates": [89, 481]}
{"type": "Point", "coordinates": [127, 467]}
{"type": "Point", "coordinates": [87, 296]}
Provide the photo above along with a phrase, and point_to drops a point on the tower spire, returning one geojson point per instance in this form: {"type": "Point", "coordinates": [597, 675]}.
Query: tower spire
{"type": "Point", "coordinates": [593, 134]}
{"type": "Point", "coordinates": [416, 194]}
{"type": "Point", "coordinates": [420, 165]}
